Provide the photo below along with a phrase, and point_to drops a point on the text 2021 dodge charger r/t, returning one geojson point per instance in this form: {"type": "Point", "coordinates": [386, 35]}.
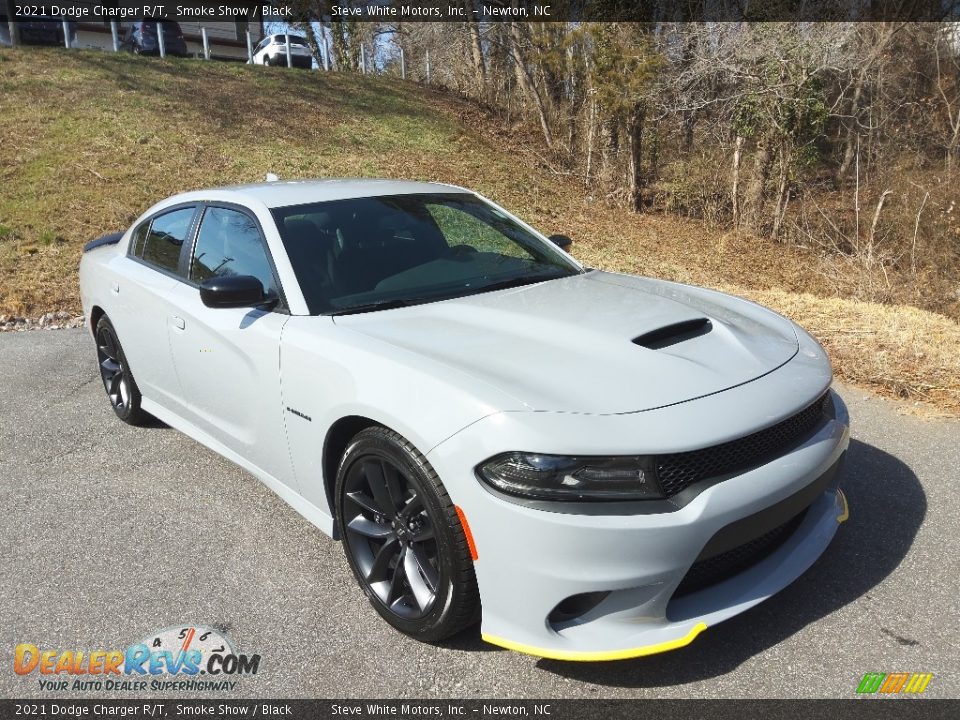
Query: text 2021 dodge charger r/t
{"type": "Point", "coordinates": [606, 464]}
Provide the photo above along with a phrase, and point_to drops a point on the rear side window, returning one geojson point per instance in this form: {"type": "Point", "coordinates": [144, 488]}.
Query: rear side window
{"type": "Point", "coordinates": [229, 243]}
{"type": "Point", "coordinates": [168, 232]}
{"type": "Point", "coordinates": [139, 235]}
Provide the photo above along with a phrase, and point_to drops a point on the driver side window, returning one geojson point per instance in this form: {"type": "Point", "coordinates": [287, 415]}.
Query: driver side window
{"type": "Point", "coordinates": [229, 243]}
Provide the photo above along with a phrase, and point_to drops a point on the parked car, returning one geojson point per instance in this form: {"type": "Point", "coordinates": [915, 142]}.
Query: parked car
{"type": "Point", "coordinates": [606, 464]}
{"type": "Point", "coordinates": [272, 50]}
{"type": "Point", "coordinates": [142, 38]}
{"type": "Point", "coordinates": [45, 30]}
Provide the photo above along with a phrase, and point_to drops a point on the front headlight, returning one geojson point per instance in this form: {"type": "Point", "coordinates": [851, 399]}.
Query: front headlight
{"type": "Point", "coordinates": [561, 477]}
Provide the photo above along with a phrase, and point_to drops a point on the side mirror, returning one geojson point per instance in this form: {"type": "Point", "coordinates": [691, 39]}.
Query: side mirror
{"type": "Point", "coordinates": [232, 291]}
{"type": "Point", "coordinates": [561, 241]}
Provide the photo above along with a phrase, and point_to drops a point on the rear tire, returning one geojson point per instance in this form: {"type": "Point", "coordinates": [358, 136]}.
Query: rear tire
{"type": "Point", "coordinates": [403, 538]}
{"type": "Point", "coordinates": [121, 388]}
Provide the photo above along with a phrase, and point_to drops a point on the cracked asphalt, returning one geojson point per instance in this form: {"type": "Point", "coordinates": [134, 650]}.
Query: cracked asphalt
{"type": "Point", "coordinates": [110, 533]}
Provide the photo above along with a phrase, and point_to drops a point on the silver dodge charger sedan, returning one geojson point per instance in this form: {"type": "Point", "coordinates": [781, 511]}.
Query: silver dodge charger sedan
{"type": "Point", "coordinates": [605, 464]}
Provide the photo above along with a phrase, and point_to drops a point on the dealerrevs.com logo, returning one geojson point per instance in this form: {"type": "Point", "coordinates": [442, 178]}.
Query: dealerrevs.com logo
{"type": "Point", "coordinates": [192, 657]}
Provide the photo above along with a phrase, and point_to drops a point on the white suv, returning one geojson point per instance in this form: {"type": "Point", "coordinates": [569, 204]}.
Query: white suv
{"type": "Point", "coordinates": [272, 50]}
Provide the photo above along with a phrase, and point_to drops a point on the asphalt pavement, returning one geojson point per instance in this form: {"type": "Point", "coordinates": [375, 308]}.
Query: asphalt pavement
{"type": "Point", "coordinates": [110, 533]}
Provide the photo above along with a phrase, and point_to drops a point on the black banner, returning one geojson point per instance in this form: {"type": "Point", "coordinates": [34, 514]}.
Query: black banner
{"type": "Point", "coordinates": [387, 11]}
{"type": "Point", "coordinates": [864, 709]}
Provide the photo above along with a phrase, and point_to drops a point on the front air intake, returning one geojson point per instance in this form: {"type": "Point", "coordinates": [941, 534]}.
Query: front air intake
{"type": "Point", "coordinates": [673, 334]}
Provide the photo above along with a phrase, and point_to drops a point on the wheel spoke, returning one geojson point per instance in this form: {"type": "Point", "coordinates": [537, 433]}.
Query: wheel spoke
{"type": "Point", "coordinates": [364, 501]}
{"type": "Point", "coordinates": [381, 561]}
{"type": "Point", "coordinates": [422, 581]}
{"type": "Point", "coordinates": [390, 537]}
{"type": "Point", "coordinates": [373, 471]}
{"type": "Point", "coordinates": [110, 347]}
{"type": "Point", "coordinates": [110, 365]}
{"type": "Point", "coordinates": [414, 505]}
{"type": "Point", "coordinates": [392, 477]}
{"type": "Point", "coordinates": [430, 575]}
{"type": "Point", "coordinates": [368, 528]}
{"type": "Point", "coordinates": [395, 593]}
{"type": "Point", "coordinates": [115, 381]}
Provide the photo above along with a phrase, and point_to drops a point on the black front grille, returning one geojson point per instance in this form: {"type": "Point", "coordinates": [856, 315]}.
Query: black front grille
{"type": "Point", "coordinates": [704, 573]}
{"type": "Point", "coordinates": [678, 471]}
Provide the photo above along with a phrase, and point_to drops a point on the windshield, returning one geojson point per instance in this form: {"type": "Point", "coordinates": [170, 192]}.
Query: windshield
{"type": "Point", "coordinates": [378, 252]}
{"type": "Point", "coordinates": [294, 39]}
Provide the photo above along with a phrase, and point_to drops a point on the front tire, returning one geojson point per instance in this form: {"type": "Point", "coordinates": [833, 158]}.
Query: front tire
{"type": "Point", "coordinates": [403, 538]}
{"type": "Point", "coordinates": [121, 388]}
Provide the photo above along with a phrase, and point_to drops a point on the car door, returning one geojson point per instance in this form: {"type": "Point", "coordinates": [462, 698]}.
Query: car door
{"type": "Point", "coordinates": [228, 359]}
{"type": "Point", "coordinates": [141, 286]}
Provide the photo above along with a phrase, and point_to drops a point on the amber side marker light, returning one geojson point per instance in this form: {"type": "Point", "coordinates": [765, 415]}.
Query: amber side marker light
{"type": "Point", "coordinates": [466, 531]}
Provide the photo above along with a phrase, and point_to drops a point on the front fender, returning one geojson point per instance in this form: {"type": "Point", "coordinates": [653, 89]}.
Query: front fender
{"type": "Point", "coordinates": [329, 373]}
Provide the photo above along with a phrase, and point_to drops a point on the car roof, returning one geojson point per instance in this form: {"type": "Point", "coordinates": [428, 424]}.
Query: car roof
{"type": "Point", "coordinates": [281, 193]}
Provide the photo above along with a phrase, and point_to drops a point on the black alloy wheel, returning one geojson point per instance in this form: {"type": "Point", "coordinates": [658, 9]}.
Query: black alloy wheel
{"type": "Point", "coordinates": [121, 388]}
{"type": "Point", "coordinates": [403, 538]}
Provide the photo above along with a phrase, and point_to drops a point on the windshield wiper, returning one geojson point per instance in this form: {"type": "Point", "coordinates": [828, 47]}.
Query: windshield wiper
{"type": "Point", "coordinates": [380, 305]}
{"type": "Point", "coordinates": [516, 282]}
{"type": "Point", "coordinates": [406, 302]}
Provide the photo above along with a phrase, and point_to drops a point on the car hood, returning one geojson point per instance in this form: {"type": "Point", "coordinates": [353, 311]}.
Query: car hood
{"type": "Point", "coordinates": [593, 343]}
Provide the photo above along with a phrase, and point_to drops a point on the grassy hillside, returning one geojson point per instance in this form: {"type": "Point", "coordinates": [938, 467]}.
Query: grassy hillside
{"type": "Point", "coordinates": [91, 139]}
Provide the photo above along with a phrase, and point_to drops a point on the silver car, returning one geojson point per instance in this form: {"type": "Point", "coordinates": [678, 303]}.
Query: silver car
{"type": "Point", "coordinates": [605, 464]}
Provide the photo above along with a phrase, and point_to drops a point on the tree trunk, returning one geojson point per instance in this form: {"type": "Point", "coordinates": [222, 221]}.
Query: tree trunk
{"type": "Point", "coordinates": [635, 179]}
{"type": "Point", "coordinates": [735, 189]}
{"type": "Point", "coordinates": [476, 48]}
{"type": "Point", "coordinates": [526, 82]}
{"type": "Point", "coordinates": [783, 190]}
{"type": "Point", "coordinates": [953, 149]}
{"type": "Point", "coordinates": [591, 121]}
{"type": "Point", "coordinates": [879, 44]}
{"type": "Point", "coordinates": [610, 150]}
{"type": "Point", "coordinates": [755, 197]}
{"type": "Point", "coordinates": [686, 130]}
{"type": "Point", "coordinates": [873, 225]}
{"type": "Point", "coordinates": [852, 137]}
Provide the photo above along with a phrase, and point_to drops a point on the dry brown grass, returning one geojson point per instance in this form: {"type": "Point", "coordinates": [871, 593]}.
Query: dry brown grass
{"type": "Point", "coordinates": [98, 138]}
{"type": "Point", "coordinates": [895, 350]}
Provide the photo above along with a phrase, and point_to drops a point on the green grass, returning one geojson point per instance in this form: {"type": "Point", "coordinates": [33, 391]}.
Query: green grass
{"type": "Point", "coordinates": [100, 137]}
{"type": "Point", "coordinates": [92, 139]}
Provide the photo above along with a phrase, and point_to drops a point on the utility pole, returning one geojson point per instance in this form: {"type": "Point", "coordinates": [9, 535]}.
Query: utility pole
{"type": "Point", "coordinates": [286, 36]}
{"type": "Point", "coordinates": [115, 36]}
{"type": "Point", "coordinates": [206, 43]}
{"type": "Point", "coordinates": [11, 25]}
{"type": "Point", "coordinates": [403, 66]}
{"type": "Point", "coordinates": [428, 67]}
{"type": "Point", "coordinates": [160, 41]}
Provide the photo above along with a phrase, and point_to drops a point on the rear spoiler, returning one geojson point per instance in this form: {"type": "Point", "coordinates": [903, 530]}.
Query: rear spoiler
{"type": "Point", "coordinates": [111, 239]}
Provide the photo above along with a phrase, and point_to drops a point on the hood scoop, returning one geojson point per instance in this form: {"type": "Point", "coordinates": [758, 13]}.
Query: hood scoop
{"type": "Point", "coordinates": [672, 334]}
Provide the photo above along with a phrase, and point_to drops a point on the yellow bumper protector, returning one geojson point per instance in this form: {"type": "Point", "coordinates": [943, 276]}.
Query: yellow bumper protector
{"type": "Point", "coordinates": [596, 656]}
{"type": "Point", "coordinates": [845, 513]}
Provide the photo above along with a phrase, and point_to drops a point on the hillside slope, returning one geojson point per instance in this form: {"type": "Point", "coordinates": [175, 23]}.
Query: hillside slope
{"type": "Point", "coordinates": [91, 139]}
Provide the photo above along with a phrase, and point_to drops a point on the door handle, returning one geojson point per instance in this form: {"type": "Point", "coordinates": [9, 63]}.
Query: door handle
{"type": "Point", "coordinates": [178, 322]}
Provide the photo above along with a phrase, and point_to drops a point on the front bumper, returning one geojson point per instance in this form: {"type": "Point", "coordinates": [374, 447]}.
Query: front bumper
{"type": "Point", "coordinates": [530, 560]}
